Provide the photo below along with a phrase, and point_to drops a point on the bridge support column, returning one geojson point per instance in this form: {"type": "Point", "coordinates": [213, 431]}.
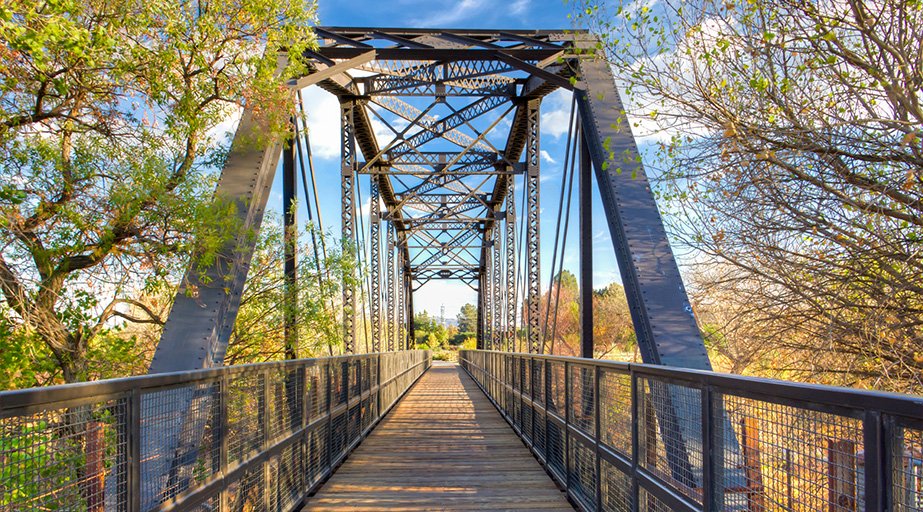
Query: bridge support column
{"type": "Point", "coordinates": [375, 263]}
{"type": "Point", "coordinates": [586, 248]}
{"type": "Point", "coordinates": [533, 257]}
{"type": "Point", "coordinates": [511, 304]}
{"type": "Point", "coordinates": [392, 327]}
{"type": "Point", "coordinates": [290, 243]}
{"type": "Point", "coordinates": [497, 284]}
{"type": "Point", "coordinates": [348, 204]}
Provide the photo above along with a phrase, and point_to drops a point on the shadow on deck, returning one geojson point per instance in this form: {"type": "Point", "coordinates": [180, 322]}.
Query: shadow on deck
{"type": "Point", "coordinates": [443, 447]}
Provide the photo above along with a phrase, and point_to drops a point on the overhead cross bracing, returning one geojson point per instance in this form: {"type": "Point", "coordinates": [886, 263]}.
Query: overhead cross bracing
{"type": "Point", "coordinates": [442, 119]}
{"type": "Point", "coordinates": [440, 130]}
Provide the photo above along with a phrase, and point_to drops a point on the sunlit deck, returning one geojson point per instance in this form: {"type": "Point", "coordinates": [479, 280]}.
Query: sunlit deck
{"type": "Point", "coordinates": [443, 447]}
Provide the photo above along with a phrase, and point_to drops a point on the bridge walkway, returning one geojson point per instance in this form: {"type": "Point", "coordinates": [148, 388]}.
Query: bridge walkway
{"type": "Point", "coordinates": [443, 447]}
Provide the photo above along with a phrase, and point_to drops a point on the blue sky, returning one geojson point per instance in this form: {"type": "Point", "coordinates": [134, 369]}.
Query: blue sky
{"type": "Point", "coordinates": [519, 14]}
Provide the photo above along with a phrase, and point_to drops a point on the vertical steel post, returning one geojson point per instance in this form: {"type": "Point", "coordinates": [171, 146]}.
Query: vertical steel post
{"type": "Point", "coordinates": [488, 281]}
{"type": "Point", "coordinates": [133, 447]}
{"type": "Point", "coordinates": [409, 338]}
{"type": "Point", "coordinates": [497, 286]}
{"type": "Point", "coordinates": [290, 243]}
{"type": "Point", "coordinates": [392, 328]}
{"type": "Point", "coordinates": [348, 168]}
{"type": "Point", "coordinates": [878, 460]}
{"type": "Point", "coordinates": [586, 249]}
{"type": "Point", "coordinates": [480, 332]}
{"type": "Point", "coordinates": [375, 262]}
{"type": "Point", "coordinates": [511, 305]}
{"type": "Point", "coordinates": [533, 256]}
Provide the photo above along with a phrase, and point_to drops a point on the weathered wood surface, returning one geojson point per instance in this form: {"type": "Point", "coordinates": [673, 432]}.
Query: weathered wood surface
{"type": "Point", "coordinates": [443, 447]}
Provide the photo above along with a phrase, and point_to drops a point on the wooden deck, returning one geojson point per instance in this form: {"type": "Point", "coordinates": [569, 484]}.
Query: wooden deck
{"type": "Point", "coordinates": [443, 447]}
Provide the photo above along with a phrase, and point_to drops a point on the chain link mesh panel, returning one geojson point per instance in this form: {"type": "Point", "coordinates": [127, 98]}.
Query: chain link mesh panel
{"type": "Point", "coordinates": [254, 437]}
{"type": "Point", "coordinates": [621, 435]}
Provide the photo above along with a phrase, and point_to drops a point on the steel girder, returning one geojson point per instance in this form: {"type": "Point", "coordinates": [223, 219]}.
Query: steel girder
{"type": "Point", "coordinates": [440, 149]}
{"type": "Point", "coordinates": [197, 331]}
{"type": "Point", "coordinates": [348, 219]}
{"type": "Point", "coordinates": [496, 300]}
{"type": "Point", "coordinates": [427, 189]}
{"type": "Point", "coordinates": [533, 257]}
{"type": "Point", "coordinates": [511, 251]}
{"type": "Point", "coordinates": [375, 262]}
{"type": "Point", "coordinates": [391, 283]}
{"type": "Point", "coordinates": [446, 204]}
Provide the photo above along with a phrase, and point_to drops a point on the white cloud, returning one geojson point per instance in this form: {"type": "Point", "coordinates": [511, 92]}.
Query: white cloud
{"type": "Point", "coordinates": [519, 7]}
{"type": "Point", "coordinates": [555, 118]}
{"type": "Point", "coordinates": [323, 112]}
{"type": "Point", "coordinates": [546, 157]}
{"type": "Point", "coordinates": [442, 17]}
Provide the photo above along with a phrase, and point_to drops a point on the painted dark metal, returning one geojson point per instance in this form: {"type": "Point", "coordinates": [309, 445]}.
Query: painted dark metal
{"type": "Point", "coordinates": [290, 249]}
{"type": "Point", "coordinates": [197, 331]}
{"type": "Point", "coordinates": [585, 194]}
{"type": "Point", "coordinates": [666, 329]}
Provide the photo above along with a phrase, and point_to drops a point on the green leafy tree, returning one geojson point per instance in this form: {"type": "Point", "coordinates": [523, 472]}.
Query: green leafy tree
{"type": "Point", "coordinates": [428, 331]}
{"type": "Point", "coordinates": [468, 318]}
{"type": "Point", "coordinates": [792, 158]}
{"type": "Point", "coordinates": [108, 117]}
{"type": "Point", "coordinates": [258, 333]}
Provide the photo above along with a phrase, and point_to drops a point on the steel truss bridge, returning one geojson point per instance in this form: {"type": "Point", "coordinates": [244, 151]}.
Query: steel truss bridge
{"type": "Point", "coordinates": [440, 130]}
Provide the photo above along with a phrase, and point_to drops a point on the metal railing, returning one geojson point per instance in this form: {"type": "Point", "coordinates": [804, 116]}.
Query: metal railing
{"type": "Point", "coordinates": [610, 433]}
{"type": "Point", "coordinates": [250, 437]}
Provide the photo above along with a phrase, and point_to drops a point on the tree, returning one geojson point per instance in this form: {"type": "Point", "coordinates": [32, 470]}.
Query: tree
{"type": "Point", "coordinates": [258, 333]}
{"type": "Point", "coordinates": [468, 318]}
{"type": "Point", "coordinates": [428, 331]}
{"type": "Point", "coordinates": [791, 160]}
{"type": "Point", "coordinates": [107, 150]}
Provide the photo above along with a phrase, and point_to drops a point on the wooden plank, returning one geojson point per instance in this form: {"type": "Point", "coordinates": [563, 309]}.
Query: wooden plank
{"type": "Point", "coordinates": [443, 447]}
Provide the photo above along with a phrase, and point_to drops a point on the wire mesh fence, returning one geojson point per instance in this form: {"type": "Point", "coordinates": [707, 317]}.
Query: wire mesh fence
{"type": "Point", "coordinates": [251, 437]}
{"type": "Point", "coordinates": [629, 437]}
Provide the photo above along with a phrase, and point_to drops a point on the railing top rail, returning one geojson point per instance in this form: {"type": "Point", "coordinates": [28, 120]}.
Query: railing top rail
{"type": "Point", "coordinates": [770, 389]}
{"type": "Point", "coordinates": [13, 400]}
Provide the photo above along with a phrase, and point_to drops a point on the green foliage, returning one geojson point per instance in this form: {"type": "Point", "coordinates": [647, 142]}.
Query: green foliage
{"type": "Point", "coordinates": [461, 338]}
{"type": "Point", "coordinates": [258, 330]}
{"type": "Point", "coordinates": [429, 332]}
{"type": "Point", "coordinates": [108, 148]}
{"type": "Point", "coordinates": [468, 318]}
{"type": "Point", "coordinates": [790, 159]}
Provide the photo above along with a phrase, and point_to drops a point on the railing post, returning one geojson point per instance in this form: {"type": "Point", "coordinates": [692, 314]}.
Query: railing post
{"type": "Point", "coordinates": [223, 437]}
{"type": "Point", "coordinates": [597, 375]}
{"type": "Point", "coordinates": [329, 439]}
{"type": "Point", "coordinates": [546, 368]}
{"type": "Point", "coordinates": [567, 399]}
{"type": "Point", "coordinates": [635, 440]}
{"type": "Point", "coordinates": [264, 425]}
{"type": "Point", "coordinates": [134, 450]}
{"type": "Point", "coordinates": [708, 456]}
{"type": "Point", "coordinates": [305, 420]}
{"type": "Point", "coordinates": [876, 441]}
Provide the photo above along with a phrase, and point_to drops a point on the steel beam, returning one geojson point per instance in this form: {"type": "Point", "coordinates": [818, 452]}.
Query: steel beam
{"type": "Point", "coordinates": [348, 160]}
{"type": "Point", "coordinates": [199, 327]}
{"type": "Point", "coordinates": [375, 262]}
{"type": "Point", "coordinates": [290, 249]}
{"type": "Point", "coordinates": [666, 329]}
{"type": "Point", "coordinates": [533, 256]}
{"type": "Point", "coordinates": [585, 196]}
{"type": "Point", "coordinates": [496, 302]}
{"type": "Point", "coordinates": [511, 302]}
{"type": "Point", "coordinates": [391, 305]}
